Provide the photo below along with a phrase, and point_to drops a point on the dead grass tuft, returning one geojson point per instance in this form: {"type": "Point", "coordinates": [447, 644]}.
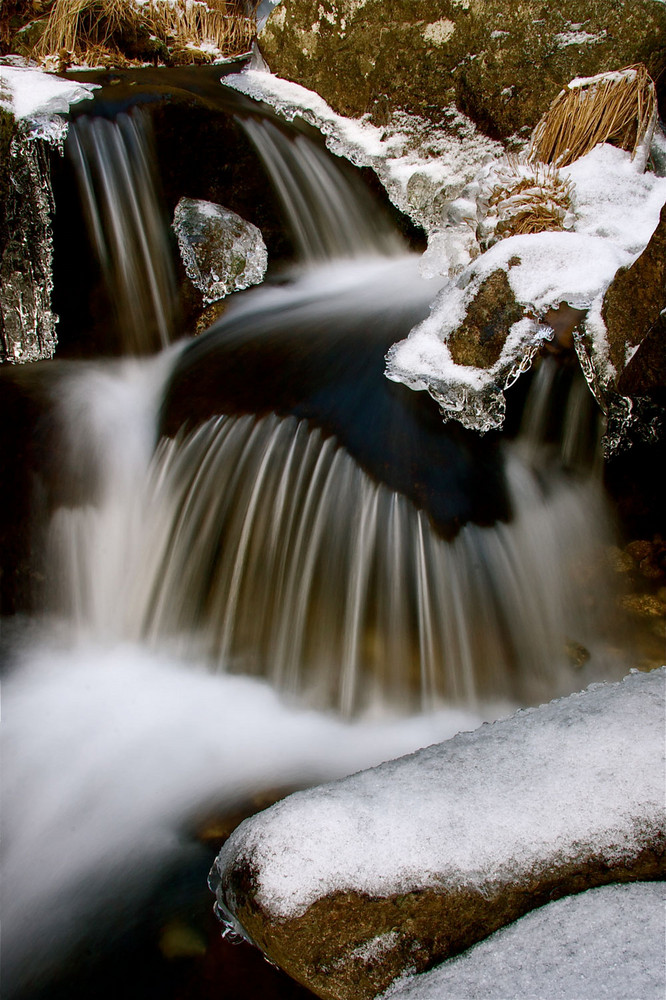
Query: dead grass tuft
{"type": "Point", "coordinates": [526, 198]}
{"type": "Point", "coordinates": [619, 108]}
{"type": "Point", "coordinates": [99, 29]}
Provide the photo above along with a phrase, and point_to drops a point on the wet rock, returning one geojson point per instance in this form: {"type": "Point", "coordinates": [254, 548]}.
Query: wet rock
{"type": "Point", "coordinates": [352, 884]}
{"type": "Point", "coordinates": [632, 312]}
{"type": "Point", "coordinates": [501, 63]}
{"type": "Point", "coordinates": [479, 340]}
{"type": "Point", "coordinates": [27, 321]}
{"type": "Point", "coordinates": [222, 252]}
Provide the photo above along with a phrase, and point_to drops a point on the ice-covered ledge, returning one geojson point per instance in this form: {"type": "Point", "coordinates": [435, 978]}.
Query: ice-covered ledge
{"type": "Point", "coordinates": [442, 180]}
{"type": "Point", "coordinates": [32, 105]}
{"type": "Point", "coordinates": [351, 884]}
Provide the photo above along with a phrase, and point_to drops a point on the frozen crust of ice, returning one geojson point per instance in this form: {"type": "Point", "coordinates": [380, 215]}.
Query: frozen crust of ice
{"type": "Point", "coordinates": [222, 252]}
{"type": "Point", "coordinates": [606, 943]}
{"type": "Point", "coordinates": [581, 776]}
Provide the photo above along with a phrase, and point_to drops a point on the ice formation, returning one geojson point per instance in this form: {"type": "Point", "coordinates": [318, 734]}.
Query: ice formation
{"type": "Point", "coordinates": [222, 252]}
{"type": "Point", "coordinates": [36, 100]}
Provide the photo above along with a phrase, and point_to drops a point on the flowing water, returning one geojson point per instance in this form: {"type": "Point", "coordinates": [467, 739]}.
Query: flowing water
{"type": "Point", "coordinates": [264, 502]}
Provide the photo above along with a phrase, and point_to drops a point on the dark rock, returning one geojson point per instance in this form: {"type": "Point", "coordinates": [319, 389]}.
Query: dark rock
{"type": "Point", "coordinates": [478, 341]}
{"type": "Point", "coordinates": [501, 63]}
{"type": "Point", "coordinates": [632, 311]}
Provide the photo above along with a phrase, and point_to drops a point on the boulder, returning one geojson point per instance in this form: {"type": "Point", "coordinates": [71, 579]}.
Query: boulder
{"type": "Point", "coordinates": [501, 63]}
{"type": "Point", "coordinates": [479, 339]}
{"type": "Point", "coordinates": [633, 313]}
{"type": "Point", "coordinates": [222, 253]}
{"type": "Point", "coordinates": [354, 883]}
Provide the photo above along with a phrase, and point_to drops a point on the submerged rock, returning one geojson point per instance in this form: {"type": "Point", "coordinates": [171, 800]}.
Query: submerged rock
{"type": "Point", "coordinates": [354, 883]}
{"type": "Point", "coordinates": [222, 253]}
{"type": "Point", "coordinates": [501, 63]}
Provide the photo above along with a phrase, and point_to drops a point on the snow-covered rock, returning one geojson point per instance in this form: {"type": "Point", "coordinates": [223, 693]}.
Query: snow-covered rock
{"type": "Point", "coordinates": [356, 882]}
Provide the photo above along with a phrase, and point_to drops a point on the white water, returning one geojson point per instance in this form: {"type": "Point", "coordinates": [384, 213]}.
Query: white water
{"type": "Point", "coordinates": [114, 168]}
{"type": "Point", "coordinates": [329, 216]}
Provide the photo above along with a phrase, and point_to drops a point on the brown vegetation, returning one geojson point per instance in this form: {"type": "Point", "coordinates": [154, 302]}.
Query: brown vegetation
{"type": "Point", "coordinates": [618, 108]}
{"type": "Point", "coordinates": [124, 31]}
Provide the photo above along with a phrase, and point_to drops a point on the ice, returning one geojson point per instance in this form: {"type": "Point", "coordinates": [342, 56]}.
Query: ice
{"type": "Point", "coordinates": [222, 252]}
{"type": "Point", "coordinates": [604, 944]}
{"type": "Point", "coordinates": [422, 167]}
{"type": "Point", "coordinates": [582, 775]}
{"type": "Point", "coordinates": [615, 212]}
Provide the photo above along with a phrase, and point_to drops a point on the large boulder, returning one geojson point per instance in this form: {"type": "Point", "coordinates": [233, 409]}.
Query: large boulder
{"type": "Point", "coordinates": [633, 313]}
{"type": "Point", "coordinates": [352, 884]}
{"type": "Point", "coordinates": [501, 63]}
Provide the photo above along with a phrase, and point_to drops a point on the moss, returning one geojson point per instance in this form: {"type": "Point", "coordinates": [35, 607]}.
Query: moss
{"type": "Point", "coordinates": [502, 63]}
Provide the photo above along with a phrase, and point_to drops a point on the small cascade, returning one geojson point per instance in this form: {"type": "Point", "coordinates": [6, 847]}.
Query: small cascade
{"type": "Point", "coordinates": [114, 165]}
{"type": "Point", "coordinates": [260, 545]}
{"type": "Point", "coordinates": [327, 210]}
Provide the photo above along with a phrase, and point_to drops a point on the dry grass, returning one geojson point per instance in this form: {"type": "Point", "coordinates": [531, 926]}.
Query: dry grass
{"type": "Point", "coordinates": [617, 107]}
{"type": "Point", "coordinates": [82, 29]}
{"type": "Point", "coordinates": [526, 198]}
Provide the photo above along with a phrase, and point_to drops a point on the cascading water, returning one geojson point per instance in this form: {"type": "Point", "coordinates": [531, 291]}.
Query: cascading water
{"type": "Point", "coordinates": [301, 519]}
{"type": "Point", "coordinates": [117, 180]}
{"type": "Point", "coordinates": [329, 216]}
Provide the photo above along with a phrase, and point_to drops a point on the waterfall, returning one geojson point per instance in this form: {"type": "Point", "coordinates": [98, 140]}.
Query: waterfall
{"type": "Point", "coordinates": [260, 501]}
{"type": "Point", "coordinates": [267, 544]}
{"type": "Point", "coordinates": [115, 169]}
{"type": "Point", "coordinates": [328, 212]}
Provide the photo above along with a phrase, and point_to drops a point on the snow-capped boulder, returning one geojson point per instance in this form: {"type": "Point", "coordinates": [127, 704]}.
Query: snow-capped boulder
{"type": "Point", "coordinates": [351, 884]}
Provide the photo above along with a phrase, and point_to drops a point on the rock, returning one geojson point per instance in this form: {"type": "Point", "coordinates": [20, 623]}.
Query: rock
{"type": "Point", "coordinates": [479, 339]}
{"type": "Point", "coordinates": [613, 935]}
{"type": "Point", "coordinates": [27, 321]}
{"type": "Point", "coordinates": [501, 63]}
{"type": "Point", "coordinates": [222, 252]}
{"type": "Point", "coordinates": [632, 313]}
{"type": "Point", "coordinates": [352, 884]}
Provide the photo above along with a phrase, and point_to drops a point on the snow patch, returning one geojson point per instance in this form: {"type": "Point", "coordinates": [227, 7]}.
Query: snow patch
{"type": "Point", "coordinates": [32, 93]}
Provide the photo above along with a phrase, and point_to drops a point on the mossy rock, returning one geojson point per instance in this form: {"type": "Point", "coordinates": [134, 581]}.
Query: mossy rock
{"type": "Point", "coordinates": [501, 63]}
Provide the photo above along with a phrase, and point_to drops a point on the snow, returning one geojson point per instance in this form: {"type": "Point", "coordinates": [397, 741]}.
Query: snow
{"type": "Point", "coordinates": [604, 944]}
{"type": "Point", "coordinates": [32, 93]}
{"type": "Point", "coordinates": [578, 37]}
{"type": "Point", "coordinates": [108, 754]}
{"type": "Point", "coordinates": [615, 210]}
{"type": "Point", "coordinates": [582, 776]}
